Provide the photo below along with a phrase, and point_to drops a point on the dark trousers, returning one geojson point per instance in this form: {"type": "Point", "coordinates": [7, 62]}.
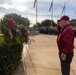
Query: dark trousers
{"type": "Point", "coordinates": [65, 64]}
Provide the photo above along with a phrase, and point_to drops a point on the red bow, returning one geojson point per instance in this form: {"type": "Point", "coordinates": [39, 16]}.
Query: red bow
{"type": "Point", "coordinates": [11, 24]}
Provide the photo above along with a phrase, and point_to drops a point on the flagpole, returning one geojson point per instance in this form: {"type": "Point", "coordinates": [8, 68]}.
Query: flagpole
{"type": "Point", "coordinates": [75, 12]}
{"type": "Point", "coordinates": [52, 16]}
{"type": "Point", "coordinates": [65, 8]}
{"type": "Point", "coordinates": [36, 12]}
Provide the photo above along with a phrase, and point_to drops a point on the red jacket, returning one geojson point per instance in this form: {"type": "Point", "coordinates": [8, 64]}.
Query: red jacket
{"type": "Point", "coordinates": [65, 40]}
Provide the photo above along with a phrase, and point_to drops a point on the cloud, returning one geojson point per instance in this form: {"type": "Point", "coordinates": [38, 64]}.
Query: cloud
{"type": "Point", "coordinates": [2, 9]}
{"type": "Point", "coordinates": [25, 8]}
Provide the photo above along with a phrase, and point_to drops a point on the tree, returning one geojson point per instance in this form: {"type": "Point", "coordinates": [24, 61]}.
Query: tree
{"type": "Point", "coordinates": [18, 19]}
{"type": "Point", "coordinates": [47, 22]}
{"type": "Point", "coordinates": [73, 22]}
{"type": "Point", "coordinates": [38, 24]}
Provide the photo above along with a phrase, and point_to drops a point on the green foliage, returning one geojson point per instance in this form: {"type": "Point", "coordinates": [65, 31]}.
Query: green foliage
{"type": "Point", "coordinates": [20, 26]}
{"type": "Point", "coordinates": [73, 22]}
{"type": "Point", "coordinates": [11, 44]}
{"type": "Point", "coordinates": [38, 24]}
{"type": "Point", "coordinates": [16, 37]}
{"type": "Point", "coordinates": [1, 39]}
{"type": "Point", "coordinates": [10, 57]}
{"type": "Point", "coordinates": [47, 22]}
{"type": "Point", "coordinates": [18, 19]}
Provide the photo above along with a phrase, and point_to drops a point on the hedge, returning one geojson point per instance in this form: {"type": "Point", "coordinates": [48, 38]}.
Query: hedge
{"type": "Point", "coordinates": [11, 45]}
{"type": "Point", "coordinates": [10, 57]}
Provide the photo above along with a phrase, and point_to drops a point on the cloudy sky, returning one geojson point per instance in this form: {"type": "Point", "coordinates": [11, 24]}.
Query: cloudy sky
{"type": "Point", "coordinates": [25, 8]}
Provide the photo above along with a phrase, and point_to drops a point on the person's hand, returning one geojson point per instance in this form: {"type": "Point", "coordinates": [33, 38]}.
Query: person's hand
{"type": "Point", "coordinates": [63, 56]}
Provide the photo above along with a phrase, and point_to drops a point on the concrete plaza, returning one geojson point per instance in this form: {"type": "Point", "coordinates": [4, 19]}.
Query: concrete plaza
{"type": "Point", "coordinates": [42, 58]}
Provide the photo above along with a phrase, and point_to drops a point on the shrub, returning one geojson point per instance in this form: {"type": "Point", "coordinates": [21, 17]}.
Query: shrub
{"type": "Point", "coordinates": [11, 44]}
{"type": "Point", "coordinates": [10, 57]}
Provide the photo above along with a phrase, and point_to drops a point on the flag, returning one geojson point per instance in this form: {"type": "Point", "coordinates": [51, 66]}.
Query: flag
{"type": "Point", "coordinates": [34, 3]}
{"type": "Point", "coordinates": [63, 10]}
{"type": "Point", "coordinates": [51, 6]}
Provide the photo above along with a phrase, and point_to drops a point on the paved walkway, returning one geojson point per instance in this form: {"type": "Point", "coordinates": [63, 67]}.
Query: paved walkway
{"type": "Point", "coordinates": [42, 57]}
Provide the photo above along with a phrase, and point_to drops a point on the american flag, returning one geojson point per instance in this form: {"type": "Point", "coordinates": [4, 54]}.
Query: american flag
{"type": "Point", "coordinates": [51, 6]}
{"type": "Point", "coordinates": [63, 10]}
{"type": "Point", "coordinates": [34, 3]}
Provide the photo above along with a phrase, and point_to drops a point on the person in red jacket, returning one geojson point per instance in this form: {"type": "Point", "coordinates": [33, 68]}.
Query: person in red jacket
{"type": "Point", "coordinates": [65, 42]}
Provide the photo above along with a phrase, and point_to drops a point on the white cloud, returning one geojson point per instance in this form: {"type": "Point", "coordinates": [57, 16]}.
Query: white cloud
{"type": "Point", "coordinates": [25, 8]}
{"type": "Point", "coordinates": [21, 8]}
{"type": "Point", "coordinates": [15, 4]}
{"type": "Point", "coordinates": [1, 15]}
{"type": "Point", "coordinates": [6, 6]}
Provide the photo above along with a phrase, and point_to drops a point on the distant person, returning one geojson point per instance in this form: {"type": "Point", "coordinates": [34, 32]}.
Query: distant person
{"type": "Point", "coordinates": [65, 42]}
